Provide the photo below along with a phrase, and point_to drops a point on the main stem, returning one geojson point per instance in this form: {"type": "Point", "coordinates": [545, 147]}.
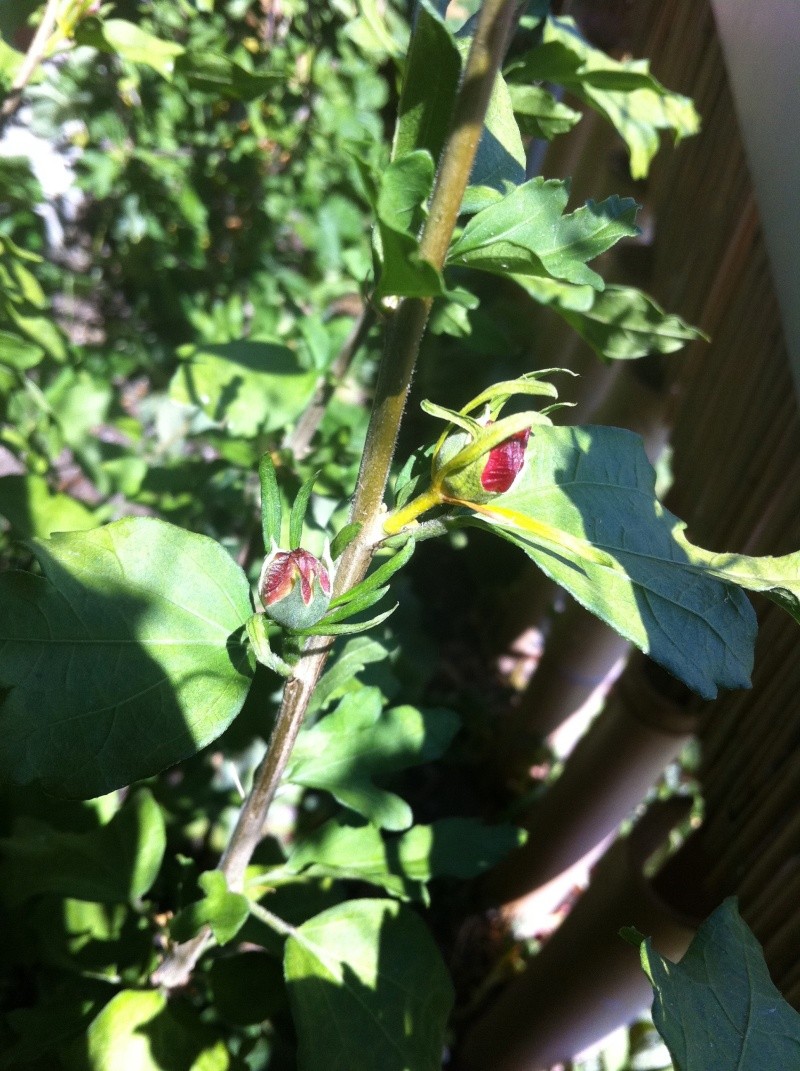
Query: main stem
{"type": "Point", "coordinates": [396, 370]}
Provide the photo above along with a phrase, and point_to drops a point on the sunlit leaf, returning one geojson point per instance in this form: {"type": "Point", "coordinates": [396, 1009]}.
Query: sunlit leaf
{"type": "Point", "coordinates": [368, 990]}
{"type": "Point", "coordinates": [32, 509]}
{"type": "Point", "coordinates": [527, 233]}
{"type": "Point", "coordinates": [584, 509]}
{"type": "Point", "coordinates": [405, 186]}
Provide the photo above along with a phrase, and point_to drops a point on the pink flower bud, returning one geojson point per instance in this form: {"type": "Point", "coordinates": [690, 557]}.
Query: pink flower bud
{"type": "Point", "coordinates": [295, 588]}
{"type": "Point", "coordinates": [504, 463]}
{"type": "Point", "coordinates": [487, 476]}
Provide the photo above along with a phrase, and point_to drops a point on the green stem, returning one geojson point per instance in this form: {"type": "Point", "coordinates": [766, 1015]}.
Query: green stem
{"type": "Point", "coordinates": [394, 379]}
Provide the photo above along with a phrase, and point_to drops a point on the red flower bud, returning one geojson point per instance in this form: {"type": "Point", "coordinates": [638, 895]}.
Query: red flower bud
{"type": "Point", "coordinates": [487, 476]}
{"type": "Point", "coordinates": [504, 463]}
{"type": "Point", "coordinates": [295, 588]}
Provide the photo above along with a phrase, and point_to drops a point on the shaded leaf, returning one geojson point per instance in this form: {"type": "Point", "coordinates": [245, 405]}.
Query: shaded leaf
{"type": "Point", "coordinates": [16, 352]}
{"type": "Point", "coordinates": [527, 233]}
{"type": "Point", "coordinates": [432, 71]}
{"type": "Point", "coordinates": [450, 847]}
{"type": "Point", "coordinates": [215, 73]}
{"type": "Point", "coordinates": [500, 159]}
{"type": "Point", "coordinates": [119, 659]}
{"type": "Point", "coordinates": [138, 1030]}
{"type": "Point", "coordinates": [368, 990]}
{"type": "Point", "coordinates": [347, 750]}
{"type": "Point", "coordinates": [619, 323]}
{"type": "Point", "coordinates": [539, 114]}
{"type": "Point", "coordinates": [250, 387]}
{"type": "Point", "coordinates": [223, 911]}
{"type": "Point", "coordinates": [718, 1008]}
{"type": "Point", "coordinates": [623, 556]}
{"type": "Point", "coordinates": [405, 186]}
{"type": "Point", "coordinates": [32, 509]}
{"type": "Point", "coordinates": [115, 863]}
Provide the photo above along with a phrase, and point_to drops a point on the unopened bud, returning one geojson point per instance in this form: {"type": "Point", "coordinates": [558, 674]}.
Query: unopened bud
{"type": "Point", "coordinates": [486, 476]}
{"type": "Point", "coordinates": [295, 588]}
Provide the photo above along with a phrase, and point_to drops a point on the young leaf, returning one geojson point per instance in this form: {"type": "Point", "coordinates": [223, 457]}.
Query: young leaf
{"type": "Point", "coordinates": [368, 990]}
{"type": "Point", "coordinates": [129, 41]}
{"type": "Point", "coordinates": [539, 114]}
{"type": "Point", "coordinates": [405, 186]}
{"type": "Point", "coordinates": [359, 742]}
{"type": "Point", "coordinates": [623, 556]}
{"type": "Point", "coordinates": [624, 92]}
{"type": "Point", "coordinates": [432, 72]}
{"type": "Point", "coordinates": [450, 847]}
{"type": "Point", "coordinates": [223, 911]}
{"type": "Point", "coordinates": [527, 234]}
{"type": "Point", "coordinates": [113, 864]}
{"type": "Point", "coordinates": [271, 510]}
{"type": "Point", "coordinates": [250, 387]}
{"type": "Point", "coordinates": [719, 1007]}
{"type": "Point", "coordinates": [119, 660]}
{"type": "Point", "coordinates": [619, 323]}
{"type": "Point", "coordinates": [342, 676]}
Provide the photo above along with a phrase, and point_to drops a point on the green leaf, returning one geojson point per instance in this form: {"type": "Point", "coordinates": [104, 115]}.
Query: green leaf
{"type": "Point", "coordinates": [430, 82]}
{"type": "Point", "coordinates": [451, 847]}
{"type": "Point", "coordinates": [368, 990]}
{"type": "Point", "coordinates": [500, 159]}
{"type": "Point", "coordinates": [341, 678]}
{"type": "Point", "coordinates": [16, 352]}
{"type": "Point", "coordinates": [223, 911]}
{"type": "Point", "coordinates": [527, 234]}
{"type": "Point", "coordinates": [250, 387]}
{"type": "Point", "coordinates": [359, 742]}
{"type": "Point", "coordinates": [405, 186]}
{"type": "Point", "coordinates": [718, 1008]}
{"type": "Point", "coordinates": [343, 539]}
{"type": "Point", "coordinates": [138, 1030]}
{"type": "Point", "coordinates": [32, 509]}
{"type": "Point", "coordinates": [619, 323]}
{"type": "Point", "coordinates": [116, 863]}
{"type": "Point", "coordinates": [129, 42]}
{"type": "Point", "coordinates": [119, 659]}
{"type": "Point", "coordinates": [539, 114]}
{"type": "Point", "coordinates": [584, 509]}
{"type": "Point", "coordinates": [257, 628]}
{"type": "Point", "coordinates": [331, 627]}
{"type": "Point", "coordinates": [380, 575]}
{"type": "Point", "coordinates": [624, 92]}
{"type": "Point", "coordinates": [212, 72]}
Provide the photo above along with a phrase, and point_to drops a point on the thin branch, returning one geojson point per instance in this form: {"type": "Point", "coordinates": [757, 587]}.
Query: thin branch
{"type": "Point", "coordinates": [33, 57]}
{"type": "Point", "coordinates": [299, 442]}
{"type": "Point", "coordinates": [394, 379]}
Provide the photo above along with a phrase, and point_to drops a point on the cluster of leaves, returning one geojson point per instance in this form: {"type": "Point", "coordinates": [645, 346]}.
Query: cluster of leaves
{"type": "Point", "coordinates": [232, 160]}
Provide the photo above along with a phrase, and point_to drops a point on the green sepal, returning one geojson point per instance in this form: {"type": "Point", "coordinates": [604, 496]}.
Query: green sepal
{"type": "Point", "coordinates": [298, 514]}
{"type": "Point", "coordinates": [271, 510]}
{"type": "Point", "coordinates": [362, 601]}
{"type": "Point", "coordinates": [346, 630]}
{"type": "Point", "coordinates": [343, 539]}
{"type": "Point", "coordinates": [379, 577]}
{"type": "Point", "coordinates": [258, 635]}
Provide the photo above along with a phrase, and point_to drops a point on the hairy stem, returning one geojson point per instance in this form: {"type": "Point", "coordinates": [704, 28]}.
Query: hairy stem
{"type": "Point", "coordinates": [394, 379]}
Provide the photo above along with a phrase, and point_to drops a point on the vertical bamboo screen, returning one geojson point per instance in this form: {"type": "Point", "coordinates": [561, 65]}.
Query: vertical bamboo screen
{"type": "Point", "coordinates": [736, 463]}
